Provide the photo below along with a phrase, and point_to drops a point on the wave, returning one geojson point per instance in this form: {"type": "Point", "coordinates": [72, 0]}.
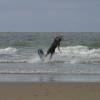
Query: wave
{"type": "Point", "coordinates": [23, 43]}
{"type": "Point", "coordinates": [70, 54]}
{"type": "Point", "coordinates": [80, 54]}
{"type": "Point", "coordinates": [50, 71]}
{"type": "Point", "coordinates": [8, 50]}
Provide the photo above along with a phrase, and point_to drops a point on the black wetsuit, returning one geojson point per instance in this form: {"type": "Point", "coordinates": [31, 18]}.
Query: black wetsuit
{"type": "Point", "coordinates": [54, 45]}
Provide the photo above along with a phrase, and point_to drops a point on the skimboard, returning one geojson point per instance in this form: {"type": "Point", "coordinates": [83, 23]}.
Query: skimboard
{"type": "Point", "coordinates": [41, 53]}
{"type": "Point", "coordinates": [42, 56]}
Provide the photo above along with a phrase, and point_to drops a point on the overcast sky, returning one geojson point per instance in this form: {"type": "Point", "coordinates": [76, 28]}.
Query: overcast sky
{"type": "Point", "coordinates": [50, 15]}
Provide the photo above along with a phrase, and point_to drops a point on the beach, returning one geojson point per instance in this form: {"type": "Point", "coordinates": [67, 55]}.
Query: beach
{"type": "Point", "coordinates": [49, 91]}
{"type": "Point", "coordinates": [73, 74]}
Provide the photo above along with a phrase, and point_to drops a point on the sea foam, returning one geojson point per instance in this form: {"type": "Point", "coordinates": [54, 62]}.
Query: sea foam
{"type": "Point", "coordinates": [76, 54]}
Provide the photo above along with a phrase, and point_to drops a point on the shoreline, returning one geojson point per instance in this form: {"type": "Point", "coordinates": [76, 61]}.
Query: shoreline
{"type": "Point", "coordinates": [49, 90]}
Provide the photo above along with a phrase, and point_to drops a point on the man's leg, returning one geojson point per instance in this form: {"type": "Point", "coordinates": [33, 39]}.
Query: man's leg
{"type": "Point", "coordinates": [48, 52]}
{"type": "Point", "coordinates": [51, 56]}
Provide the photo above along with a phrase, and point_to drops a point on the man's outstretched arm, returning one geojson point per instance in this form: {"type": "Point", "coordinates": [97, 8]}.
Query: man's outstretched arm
{"type": "Point", "coordinates": [59, 48]}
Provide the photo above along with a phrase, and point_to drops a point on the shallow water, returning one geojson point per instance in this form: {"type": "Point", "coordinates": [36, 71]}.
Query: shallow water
{"type": "Point", "coordinates": [79, 60]}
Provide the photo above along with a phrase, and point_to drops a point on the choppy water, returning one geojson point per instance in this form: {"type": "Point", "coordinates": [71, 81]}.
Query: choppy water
{"type": "Point", "coordinates": [79, 60]}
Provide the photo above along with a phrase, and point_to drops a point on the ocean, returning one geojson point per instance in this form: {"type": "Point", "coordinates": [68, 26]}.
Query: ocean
{"type": "Point", "coordinates": [78, 62]}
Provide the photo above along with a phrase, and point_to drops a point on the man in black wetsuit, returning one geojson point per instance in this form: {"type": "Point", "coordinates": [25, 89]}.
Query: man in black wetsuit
{"type": "Point", "coordinates": [54, 45]}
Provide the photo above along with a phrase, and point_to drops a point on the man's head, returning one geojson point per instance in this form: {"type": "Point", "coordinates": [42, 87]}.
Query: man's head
{"type": "Point", "coordinates": [59, 38]}
{"type": "Point", "coordinates": [60, 35]}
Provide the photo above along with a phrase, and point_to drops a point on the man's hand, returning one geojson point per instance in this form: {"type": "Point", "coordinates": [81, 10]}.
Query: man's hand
{"type": "Point", "coordinates": [59, 49]}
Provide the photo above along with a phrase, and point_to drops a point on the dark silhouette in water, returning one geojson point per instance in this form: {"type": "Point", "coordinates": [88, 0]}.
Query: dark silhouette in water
{"type": "Point", "coordinates": [54, 45]}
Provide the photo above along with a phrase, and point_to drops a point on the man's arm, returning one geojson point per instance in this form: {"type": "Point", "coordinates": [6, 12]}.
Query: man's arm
{"type": "Point", "coordinates": [59, 48]}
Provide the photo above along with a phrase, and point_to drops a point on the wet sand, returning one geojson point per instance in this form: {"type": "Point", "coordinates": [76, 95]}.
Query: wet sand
{"type": "Point", "coordinates": [50, 91]}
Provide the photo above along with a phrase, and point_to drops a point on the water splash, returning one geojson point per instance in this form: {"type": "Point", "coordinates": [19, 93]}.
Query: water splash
{"type": "Point", "coordinates": [70, 54]}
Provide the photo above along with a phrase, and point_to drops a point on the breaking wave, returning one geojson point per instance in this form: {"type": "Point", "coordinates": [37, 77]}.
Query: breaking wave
{"type": "Point", "coordinates": [8, 50]}
{"type": "Point", "coordinates": [80, 54]}
{"type": "Point", "coordinates": [70, 54]}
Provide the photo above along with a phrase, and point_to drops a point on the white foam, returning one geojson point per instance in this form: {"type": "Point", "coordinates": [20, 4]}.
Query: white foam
{"type": "Point", "coordinates": [76, 54]}
{"type": "Point", "coordinates": [8, 50]}
{"type": "Point", "coordinates": [49, 70]}
{"type": "Point", "coordinates": [70, 54]}
{"type": "Point", "coordinates": [34, 59]}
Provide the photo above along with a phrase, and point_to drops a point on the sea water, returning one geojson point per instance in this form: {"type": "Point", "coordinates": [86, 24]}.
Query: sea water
{"type": "Point", "coordinates": [78, 62]}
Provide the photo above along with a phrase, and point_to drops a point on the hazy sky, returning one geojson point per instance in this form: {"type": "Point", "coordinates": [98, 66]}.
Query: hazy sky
{"type": "Point", "coordinates": [50, 15]}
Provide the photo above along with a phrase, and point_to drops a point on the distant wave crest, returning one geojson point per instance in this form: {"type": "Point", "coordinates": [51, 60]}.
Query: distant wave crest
{"type": "Point", "coordinates": [8, 50]}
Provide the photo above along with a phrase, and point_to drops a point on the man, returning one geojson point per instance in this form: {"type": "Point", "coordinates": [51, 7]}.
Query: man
{"type": "Point", "coordinates": [54, 45]}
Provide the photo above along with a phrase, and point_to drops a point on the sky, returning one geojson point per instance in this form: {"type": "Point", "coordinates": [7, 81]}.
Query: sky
{"type": "Point", "coordinates": [49, 15]}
